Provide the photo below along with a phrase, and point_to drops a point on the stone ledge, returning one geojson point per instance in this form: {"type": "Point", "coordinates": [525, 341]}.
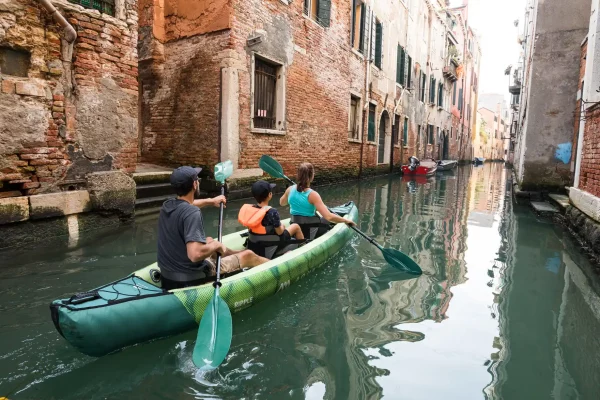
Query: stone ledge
{"type": "Point", "coordinates": [59, 204]}
{"type": "Point", "coordinates": [585, 229]}
{"type": "Point", "coordinates": [586, 202]}
{"type": "Point", "coordinates": [14, 209]}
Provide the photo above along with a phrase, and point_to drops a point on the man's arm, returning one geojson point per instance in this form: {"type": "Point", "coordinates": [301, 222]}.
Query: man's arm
{"type": "Point", "coordinates": [214, 202]}
{"type": "Point", "coordinates": [197, 251]}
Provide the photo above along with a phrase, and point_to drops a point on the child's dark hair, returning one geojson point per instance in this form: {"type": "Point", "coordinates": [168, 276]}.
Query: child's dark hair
{"type": "Point", "coordinates": [306, 173]}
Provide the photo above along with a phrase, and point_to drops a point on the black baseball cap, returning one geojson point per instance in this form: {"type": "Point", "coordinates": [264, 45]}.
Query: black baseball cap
{"type": "Point", "coordinates": [261, 189]}
{"type": "Point", "coordinates": [184, 176]}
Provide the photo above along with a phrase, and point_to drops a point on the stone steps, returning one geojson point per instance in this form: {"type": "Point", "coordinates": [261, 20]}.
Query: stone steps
{"type": "Point", "coordinates": [152, 190]}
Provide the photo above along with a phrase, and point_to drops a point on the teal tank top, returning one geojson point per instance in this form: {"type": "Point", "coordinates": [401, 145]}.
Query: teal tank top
{"type": "Point", "coordinates": [299, 204]}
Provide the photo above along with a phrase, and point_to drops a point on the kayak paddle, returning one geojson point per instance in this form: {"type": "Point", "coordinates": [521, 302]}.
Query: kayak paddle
{"type": "Point", "coordinates": [216, 328]}
{"type": "Point", "coordinates": [395, 258]}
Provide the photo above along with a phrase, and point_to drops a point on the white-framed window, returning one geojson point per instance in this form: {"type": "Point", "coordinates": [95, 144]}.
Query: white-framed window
{"type": "Point", "coordinates": [268, 96]}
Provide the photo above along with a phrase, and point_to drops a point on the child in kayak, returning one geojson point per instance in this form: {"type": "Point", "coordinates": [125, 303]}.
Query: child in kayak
{"type": "Point", "coordinates": [304, 203]}
{"type": "Point", "coordinates": [267, 233]}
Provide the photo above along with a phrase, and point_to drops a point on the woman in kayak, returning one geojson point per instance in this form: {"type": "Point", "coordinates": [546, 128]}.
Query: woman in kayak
{"type": "Point", "coordinates": [304, 203]}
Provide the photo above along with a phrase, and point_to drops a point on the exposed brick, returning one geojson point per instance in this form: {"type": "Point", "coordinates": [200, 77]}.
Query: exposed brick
{"type": "Point", "coordinates": [8, 86]}
{"type": "Point", "coordinates": [30, 89]}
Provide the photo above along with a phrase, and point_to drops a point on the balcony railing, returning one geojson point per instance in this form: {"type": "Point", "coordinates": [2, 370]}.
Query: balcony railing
{"type": "Point", "coordinates": [449, 72]}
{"type": "Point", "coordinates": [515, 88]}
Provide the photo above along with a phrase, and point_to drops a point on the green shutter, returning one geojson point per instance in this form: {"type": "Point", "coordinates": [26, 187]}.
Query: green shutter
{"type": "Point", "coordinates": [363, 12]}
{"type": "Point", "coordinates": [324, 12]}
{"type": "Point", "coordinates": [402, 66]}
{"type": "Point", "coordinates": [405, 133]}
{"type": "Point", "coordinates": [460, 99]}
{"type": "Point", "coordinates": [398, 58]}
{"type": "Point", "coordinates": [378, 44]}
{"type": "Point", "coordinates": [371, 133]}
{"type": "Point", "coordinates": [366, 30]}
{"type": "Point", "coordinates": [352, 32]}
{"type": "Point", "coordinates": [409, 72]}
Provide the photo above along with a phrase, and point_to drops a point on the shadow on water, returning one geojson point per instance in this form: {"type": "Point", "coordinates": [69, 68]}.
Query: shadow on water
{"type": "Point", "coordinates": [505, 309]}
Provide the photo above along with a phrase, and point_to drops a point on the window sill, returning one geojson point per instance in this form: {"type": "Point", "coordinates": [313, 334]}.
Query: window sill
{"type": "Point", "coordinates": [313, 21]}
{"type": "Point", "coordinates": [440, 108]}
{"type": "Point", "coordinates": [358, 53]}
{"type": "Point", "coordinates": [268, 131]}
{"type": "Point", "coordinates": [355, 141]}
{"type": "Point", "coordinates": [405, 147]}
{"type": "Point", "coordinates": [372, 143]}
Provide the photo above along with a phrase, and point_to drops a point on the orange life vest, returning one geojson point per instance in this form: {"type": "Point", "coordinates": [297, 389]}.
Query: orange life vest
{"type": "Point", "coordinates": [251, 217]}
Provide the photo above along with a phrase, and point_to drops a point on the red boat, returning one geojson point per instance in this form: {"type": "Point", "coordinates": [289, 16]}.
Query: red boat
{"type": "Point", "coordinates": [422, 168]}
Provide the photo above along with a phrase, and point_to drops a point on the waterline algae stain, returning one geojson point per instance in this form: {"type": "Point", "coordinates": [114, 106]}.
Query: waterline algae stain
{"type": "Point", "coordinates": [505, 309]}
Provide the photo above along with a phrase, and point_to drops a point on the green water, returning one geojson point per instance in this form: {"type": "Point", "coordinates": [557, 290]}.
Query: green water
{"type": "Point", "coordinates": [505, 309]}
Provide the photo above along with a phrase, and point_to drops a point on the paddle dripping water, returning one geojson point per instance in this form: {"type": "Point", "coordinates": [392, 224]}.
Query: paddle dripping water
{"type": "Point", "coordinates": [505, 309]}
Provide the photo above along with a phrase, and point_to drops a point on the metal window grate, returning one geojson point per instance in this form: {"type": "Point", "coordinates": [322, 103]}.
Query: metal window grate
{"type": "Point", "coordinates": [265, 84]}
{"type": "Point", "coordinates": [104, 6]}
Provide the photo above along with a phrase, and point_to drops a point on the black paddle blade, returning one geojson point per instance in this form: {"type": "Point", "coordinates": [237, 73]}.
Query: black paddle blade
{"type": "Point", "coordinates": [401, 261]}
{"type": "Point", "coordinates": [271, 167]}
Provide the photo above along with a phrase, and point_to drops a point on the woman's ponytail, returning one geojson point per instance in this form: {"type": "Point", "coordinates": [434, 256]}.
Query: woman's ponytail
{"type": "Point", "coordinates": [306, 173]}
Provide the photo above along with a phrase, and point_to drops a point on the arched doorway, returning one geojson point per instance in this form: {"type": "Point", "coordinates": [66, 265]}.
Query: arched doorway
{"type": "Point", "coordinates": [383, 124]}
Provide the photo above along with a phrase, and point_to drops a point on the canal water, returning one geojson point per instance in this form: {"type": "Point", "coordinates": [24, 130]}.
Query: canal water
{"type": "Point", "coordinates": [505, 309]}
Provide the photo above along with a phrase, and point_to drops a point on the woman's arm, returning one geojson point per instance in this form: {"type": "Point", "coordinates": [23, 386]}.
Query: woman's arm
{"type": "Point", "coordinates": [283, 201]}
{"type": "Point", "coordinates": [315, 199]}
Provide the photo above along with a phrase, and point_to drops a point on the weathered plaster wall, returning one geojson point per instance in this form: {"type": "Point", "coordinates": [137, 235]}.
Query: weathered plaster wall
{"type": "Point", "coordinates": [551, 82]}
{"type": "Point", "coordinates": [75, 110]}
{"type": "Point", "coordinates": [550, 122]}
{"type": "Point", "coordinates": [185, 18]}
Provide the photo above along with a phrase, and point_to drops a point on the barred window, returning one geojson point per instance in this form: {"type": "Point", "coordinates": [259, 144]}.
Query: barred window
{"type": "Point", "coordinates": [265, 82]}
{"type": "Point", "coordinates": [104, 6]}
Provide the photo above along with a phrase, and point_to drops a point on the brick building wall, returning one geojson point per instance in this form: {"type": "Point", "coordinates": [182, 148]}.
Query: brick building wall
{"type": "Point", "coordinates": [320, 71]}
{"type": "Point", "coordinates": [589, 179]}
{"type": "Point", "coordinates": [70, 109]}
{"type": "Point", "coordinates": [197, 93]}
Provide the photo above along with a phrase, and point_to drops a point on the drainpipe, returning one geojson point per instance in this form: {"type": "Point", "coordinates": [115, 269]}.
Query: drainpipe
{"type": "Point", "coordinates": [68, 30]}
{"type": "Point", "coordinates": [367, 93]}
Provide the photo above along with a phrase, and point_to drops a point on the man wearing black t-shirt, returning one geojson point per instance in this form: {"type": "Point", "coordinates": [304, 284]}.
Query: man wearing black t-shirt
{"type": "Point", "coordinates": [186, 257]}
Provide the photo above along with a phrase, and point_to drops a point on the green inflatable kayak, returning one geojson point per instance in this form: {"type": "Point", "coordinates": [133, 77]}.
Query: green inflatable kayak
{"type": "Point", "coordinates": [135, 309]}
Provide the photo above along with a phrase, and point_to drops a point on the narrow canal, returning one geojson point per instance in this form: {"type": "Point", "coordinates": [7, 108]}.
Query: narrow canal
{"type": "Point", "coordinates": [504, 310]}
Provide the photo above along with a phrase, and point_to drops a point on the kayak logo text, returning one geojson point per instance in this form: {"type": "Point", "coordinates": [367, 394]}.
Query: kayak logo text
{"type": "Point", "coordinates": [283, 285]}
{"type": "Point", "coordinates": [243, 303]}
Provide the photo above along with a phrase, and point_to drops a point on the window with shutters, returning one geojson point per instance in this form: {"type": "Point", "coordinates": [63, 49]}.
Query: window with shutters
{"type": "Point", "coordinates": [395, 130]}
{"type": "Point", "coordinates": [432, 84]}
{"type": "Point", "coordinates": [423, 86]}
{"type": "Point", "coordinates": [319, 11]}
{"type": "Point", "coordinates": [440, 102]}
{"type": "Point", "coordinates": [371, 132]}
{"type": "Point", "coordinates": [405, 132]}
{"type": "Point", "coordinates": [408, 72]}
{"type": "Point", "coordinates": [378, 43]}
{"type": "Point", "coordinates": [429, 134]}
{"type": "Point", "coordinates": [460, 99]}
{"type": "Point", "coordinates": [358, 26]}
{"type": "Point", "coordinates": [268, 89]}
{"type": "Point", "coordinates": [354, 119]}
{"type": "Point", "coordinates": [400, 66]}
{"type": "Point", "coordinates": [454, 94]}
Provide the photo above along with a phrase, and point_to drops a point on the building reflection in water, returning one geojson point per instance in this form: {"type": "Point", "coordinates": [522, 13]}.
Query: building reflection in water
{"type": "Point", "coordinates": [388, 315]}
